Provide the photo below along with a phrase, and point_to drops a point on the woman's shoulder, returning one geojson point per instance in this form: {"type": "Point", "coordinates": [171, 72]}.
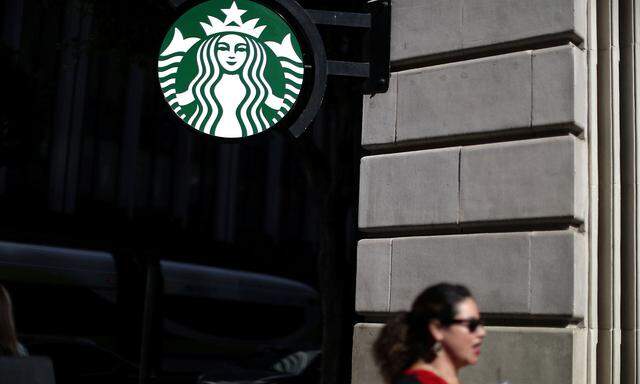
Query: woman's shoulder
{"type": "Point", "coordinates": [419, 376]}
{"type": "Point", "coordinates": [20, 351]}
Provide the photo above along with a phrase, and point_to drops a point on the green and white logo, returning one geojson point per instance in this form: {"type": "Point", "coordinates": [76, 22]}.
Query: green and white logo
{"type": "Point", "coordinates": [230, 68]}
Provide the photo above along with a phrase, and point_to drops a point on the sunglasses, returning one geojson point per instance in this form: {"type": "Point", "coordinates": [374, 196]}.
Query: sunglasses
{"type": "Point", "coordinates": [471, 324]}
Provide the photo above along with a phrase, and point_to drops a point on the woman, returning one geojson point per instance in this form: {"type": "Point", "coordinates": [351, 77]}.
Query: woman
{"type": "Point", "coordinates": [230, 88]}
{"type": "Point", "coordinates": [9, 345]}
{"type": "Point", "coordinates": [428, 345]}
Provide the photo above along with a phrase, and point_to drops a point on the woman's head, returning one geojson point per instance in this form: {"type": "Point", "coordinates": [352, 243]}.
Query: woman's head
{"type": "Point", "coordinates": [443, 320]}
{"type": "Point", "coordinates": [8, 338]}
{"type": "Point", "coordinates": [460, 336]}
{"type": "Point", "coordinates": [231, 52]}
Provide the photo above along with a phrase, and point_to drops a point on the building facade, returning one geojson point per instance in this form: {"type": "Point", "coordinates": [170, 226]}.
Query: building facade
{"type": "Point", "coordinates": [504, 157]}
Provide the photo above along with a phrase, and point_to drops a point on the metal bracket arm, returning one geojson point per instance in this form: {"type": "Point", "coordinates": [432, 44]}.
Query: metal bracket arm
{"type": "Point", "coordinates": [378, 25]}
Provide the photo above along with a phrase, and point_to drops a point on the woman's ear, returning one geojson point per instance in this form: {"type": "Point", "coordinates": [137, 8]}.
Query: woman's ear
{"type": "Point", "coordinates": [436, 328]}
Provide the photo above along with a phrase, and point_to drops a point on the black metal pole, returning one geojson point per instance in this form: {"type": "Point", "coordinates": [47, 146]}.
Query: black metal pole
{"type": "Point", "coordinates": [149, 318]}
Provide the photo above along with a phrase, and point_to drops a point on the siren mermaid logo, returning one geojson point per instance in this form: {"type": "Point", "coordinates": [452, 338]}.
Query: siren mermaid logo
{"type": "Point", "coordinates": [226, 76]}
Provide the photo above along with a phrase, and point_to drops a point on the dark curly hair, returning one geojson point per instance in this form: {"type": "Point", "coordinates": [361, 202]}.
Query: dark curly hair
{"type": "Point", "coordinates": [406, 337]}
{"type": "Point", "coordinates": [8, 338]}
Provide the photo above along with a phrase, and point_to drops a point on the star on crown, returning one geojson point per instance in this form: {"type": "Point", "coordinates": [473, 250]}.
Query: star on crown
{"type": "Point", "coordinates": [232, 23]}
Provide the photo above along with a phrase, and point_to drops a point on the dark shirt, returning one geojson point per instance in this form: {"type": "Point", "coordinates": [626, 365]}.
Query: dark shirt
{"type": "Point", "coordinates": [419, 376]}
{"type": "Point", "coordinates": [21, 351]}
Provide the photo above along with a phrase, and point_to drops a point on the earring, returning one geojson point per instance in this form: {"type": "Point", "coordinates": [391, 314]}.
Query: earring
{"type": "Point", "coordinates": [436, 347]}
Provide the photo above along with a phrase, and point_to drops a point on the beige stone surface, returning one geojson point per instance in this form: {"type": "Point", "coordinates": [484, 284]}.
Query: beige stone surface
{"type": "Point", "coordinates": [503, 95]}
{"type": "Point", "coordinates": [532, 273]}
{"type": "Point", "coordinates": [423, 28]}
{"type": "Point", "coordinates": [518, 355]}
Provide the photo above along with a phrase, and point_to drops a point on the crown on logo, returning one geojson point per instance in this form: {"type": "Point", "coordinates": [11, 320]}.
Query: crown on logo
{"type": "Point", "coordinates": [232, 23]}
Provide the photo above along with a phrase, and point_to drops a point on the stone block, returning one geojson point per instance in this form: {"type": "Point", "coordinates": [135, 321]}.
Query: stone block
{"type": "Point", "coordinates": [418, 262]}
{"type": "Point", "coordinates": [476, 96]}
{"type": "Point", "coordinates": [509, 354]}
{"type": "Point", "coordinates": [485, 97]}
{"type": "Point", "coordinates": [536, 273]}
{"type": "Point", "coordinates": [409, 189]}
{"type": "Point", "coordinates": [530, 356]}
{"type": "Point", "coordinates": [560, 87]}
{"type": "Point", "coordinates": [558, 276]}
{"type": "Point", "coordinates": [422, 28]}
{"type": "Point", "coordinates": [363, 367]}
{"type": "Point", "coordinates": [528, 179]}
{"type": "Point", "coordinates": [379, 116]}
{"type": "Point", "coordinates": [540, 273]}
{"type": "Point", "coordinates": [373, 276]}
{"type": "Point", "coordinates": [489, 22]}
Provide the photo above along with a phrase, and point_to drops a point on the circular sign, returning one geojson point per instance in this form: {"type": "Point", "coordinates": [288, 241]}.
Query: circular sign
{"type": "Point", "coordinates": [230, 68]}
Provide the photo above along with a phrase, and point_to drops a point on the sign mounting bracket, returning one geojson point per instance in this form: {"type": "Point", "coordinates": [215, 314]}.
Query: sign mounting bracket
{"type": "Point", "coordinates": [377, 22]}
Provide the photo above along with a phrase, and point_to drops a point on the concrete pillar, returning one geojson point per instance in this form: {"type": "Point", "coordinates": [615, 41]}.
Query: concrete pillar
{"type": "Point", "coordinates": [630, 138]}
{"type": "Point", "coordinates": [608, 352]}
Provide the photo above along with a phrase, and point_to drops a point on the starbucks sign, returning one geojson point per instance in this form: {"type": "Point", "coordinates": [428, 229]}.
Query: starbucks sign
{"type": "Point", "coordinates": [231, 68]}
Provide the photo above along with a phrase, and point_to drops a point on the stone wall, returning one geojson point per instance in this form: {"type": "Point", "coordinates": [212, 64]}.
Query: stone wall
{"type": "Point", "coordinates": [476, 171]}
